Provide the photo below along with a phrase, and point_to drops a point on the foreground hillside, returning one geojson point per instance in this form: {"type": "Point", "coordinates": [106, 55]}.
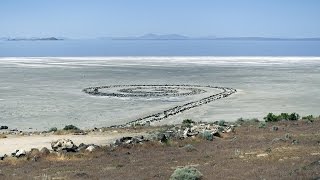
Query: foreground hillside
{"type": "Point", "coordinates": [275, 150]}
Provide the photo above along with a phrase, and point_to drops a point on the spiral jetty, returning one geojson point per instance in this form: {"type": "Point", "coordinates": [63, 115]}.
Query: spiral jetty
{"type": "Point", "coordinates": [165, 90]}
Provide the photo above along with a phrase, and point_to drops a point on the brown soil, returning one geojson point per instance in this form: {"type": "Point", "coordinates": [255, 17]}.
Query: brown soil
{"type": "Point", "coordinates": [248, 153]}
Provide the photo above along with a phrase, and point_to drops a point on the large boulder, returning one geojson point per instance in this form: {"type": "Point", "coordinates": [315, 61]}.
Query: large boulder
{"type": "Point", "coordinates": [91, 148]}
{"type": "Point", "coordinates": [2, 156]}
{"type": "Point", "coordinates": [64, 145]}
{"type": "Point", "coordinates": [130, 140]}
{"type": "Point", "coordinates": [19, 153]}
{"type": "Point", "coordinates": [3, 127]}
{"type": "Point", "coordinates": [44, 151]}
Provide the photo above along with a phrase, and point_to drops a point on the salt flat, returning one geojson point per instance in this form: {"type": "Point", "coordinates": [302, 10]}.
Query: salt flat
{"type": "Point", "coordinates": [43, 92]}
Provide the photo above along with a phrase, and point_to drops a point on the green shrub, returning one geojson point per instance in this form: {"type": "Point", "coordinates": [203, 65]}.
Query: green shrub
{"type": "Point", "coordinates": [53, 129]}
{"type": "Point", "coordinates": [283, 116]}
{"type": "Point", "coordinates": [187, 121]}
{"type": "Point", "coordinates": [262, 125]}
{"type": "Point", "coordinates": [309, 117]}
{"type": "Point", "coordinates": [70, 127]}
{"type": "Point", "coordinates": [240, 120]}
{"type": "Point", "coordinates": [207, 135]}
{"type": "Point", "coordinates": [294, 117]}
{"type": "Point", "coordinates": [189, 148]}
{"type": "Point", "coordinates": [186, 173]}
{"type": "Point", "coordinates": [271, 118]}
{"type": "Point", "coordinates": [221, 122]}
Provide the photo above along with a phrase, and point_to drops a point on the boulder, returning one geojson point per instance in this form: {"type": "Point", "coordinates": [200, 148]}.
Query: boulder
{"type": "Point", "coordinates": [64, 144]}
{"type": "Point", "coordinates": [20, 153]}
{"type": "Point", "coordinates": [34, 152]}
{"type": "Point", "coordinates": [162, 138]}
{"type": "Point", "coordinates": [130, 140]}
{"type": "Point", "coordinates": [82, 147]}
{"type": "Point", "coordinates": [3, 127]}
{"type": "Point", "coordinates": [91, 148]}
{"type": "Point", "coordinates": [2, 156]}
{"type": "Point", "coordinates": [274, 128]}
{"type": "Point", "coordinates": [44, 151]}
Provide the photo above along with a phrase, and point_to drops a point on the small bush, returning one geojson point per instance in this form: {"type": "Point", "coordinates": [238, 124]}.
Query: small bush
{"type": "Point", "coordinates": [221, 122]}
{"type": "Point", "coordinates": [207, 135]}
{"type": "Point", "coordinates": [242, 120]}
{"type": "Point", "coordinates": [283, 116]}
{"type": "Point", "coordinates": [187, 121]}
{"type": "Point", "coordinates": [262, 125]}
{"type": "Point", "coordinates": [294, 117]}
{"type": "Point", "coordinates": [189, 148]}
{"type": "Point", "coordinates": [186, 173]}
{"type": "Point", "coordinates": [70, 127]}
{"type": "Point", "coordinates": [271, 118]}
{"type": "Point", "coordinates": [53, 129]}
{"type": "Point", "coordinates": [309, 118]}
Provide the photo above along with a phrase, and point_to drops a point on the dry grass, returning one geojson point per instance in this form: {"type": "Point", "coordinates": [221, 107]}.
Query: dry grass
{"type": "Point", "coordinates": [248, 153]}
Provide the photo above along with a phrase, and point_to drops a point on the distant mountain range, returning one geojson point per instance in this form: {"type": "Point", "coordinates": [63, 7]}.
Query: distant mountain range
{"type": "Point", "coordinates": [32, 39]}
{"type": "Point", "coordinates": [182, 37]}
{"type": "Point", "coordinates": [159, 37]}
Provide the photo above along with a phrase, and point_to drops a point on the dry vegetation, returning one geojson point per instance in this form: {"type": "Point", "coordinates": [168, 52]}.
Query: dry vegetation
{"type": "Point", "coordinates": [290, 152]}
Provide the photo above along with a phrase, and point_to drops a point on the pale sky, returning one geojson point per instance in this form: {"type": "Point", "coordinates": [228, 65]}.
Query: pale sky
{"type": "Point", "coordinates": [96, 18]}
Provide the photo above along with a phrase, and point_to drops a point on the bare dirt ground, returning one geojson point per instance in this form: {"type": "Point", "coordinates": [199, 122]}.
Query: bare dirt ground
{"type": "Point", "coordinates": [291, 152]}
{"type": "Point", "coordinates": [14, 142]}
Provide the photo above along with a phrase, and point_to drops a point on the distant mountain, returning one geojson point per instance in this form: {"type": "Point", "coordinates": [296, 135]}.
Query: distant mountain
{"type": "Point", "coordinates": [35, 39]}
{"type": "Point", "coordinates": [154, 37]}
{"type": "Point", "coordinates": [182, 37]}
{"type": "Point", "coordinates": [260, 39]}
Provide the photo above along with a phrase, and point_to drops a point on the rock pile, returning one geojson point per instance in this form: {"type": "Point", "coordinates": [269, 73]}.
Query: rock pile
{"type": "Point", "coordinates": [128, 140]}
{"type": "Point", "coordinates": [64, 145]}
{"type": "Point", "coordinates": [205, 130]}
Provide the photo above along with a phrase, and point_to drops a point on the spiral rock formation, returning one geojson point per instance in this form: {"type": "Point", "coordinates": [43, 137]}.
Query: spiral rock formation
{"type": "Point", "coordinates": [166, 90]}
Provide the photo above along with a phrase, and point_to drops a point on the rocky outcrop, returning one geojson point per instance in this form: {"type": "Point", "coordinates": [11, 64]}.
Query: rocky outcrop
{"type": "Point", "coordinates": [64, 145]}
{"type": "Point", "coordinates": [3, 127]}
{"type": "Point", "coordinates": [130, 140]}
{"type": "Point", "coordinates": [19, 153]}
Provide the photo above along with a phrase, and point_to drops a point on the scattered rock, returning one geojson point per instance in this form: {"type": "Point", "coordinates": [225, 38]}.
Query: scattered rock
{"type": "Point", "coordinates": [162, 138]}
{"type": "Point", "coordinates": [287, 136]}
{"type": "Point", "coordinates": [275, 140]}
{"type": "Point", "coordinates": [294, 141]}
{"type": "Point", "coordinates": [130, 140]}
{"type": "Point", "coordinates": [91, 148]}
{"type": "Point", "coordinates": [82, 175]}
{"type": "Point", "coordinates": [82, 147]}
{"type": "Point", "coordinates": [275, 128]}
{"type": "Point", "coordinates": [2, 156]}
{"type": "Point", "coordinates": [64, 144]}
{"type": "Point", "coordinates": [33, 152]}
{"type": "Point", "coordinates": [3, 127]}
{"type": "Point", "coordinates": [44, 151]}
{"type": "Point", "coordinates": [262, 155]}
{"type": "Point", "coordinates": [20, 153]}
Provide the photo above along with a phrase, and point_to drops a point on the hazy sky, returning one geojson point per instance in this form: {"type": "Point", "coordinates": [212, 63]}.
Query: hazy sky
{"type": "Point", "coordinates": [95, 18]}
